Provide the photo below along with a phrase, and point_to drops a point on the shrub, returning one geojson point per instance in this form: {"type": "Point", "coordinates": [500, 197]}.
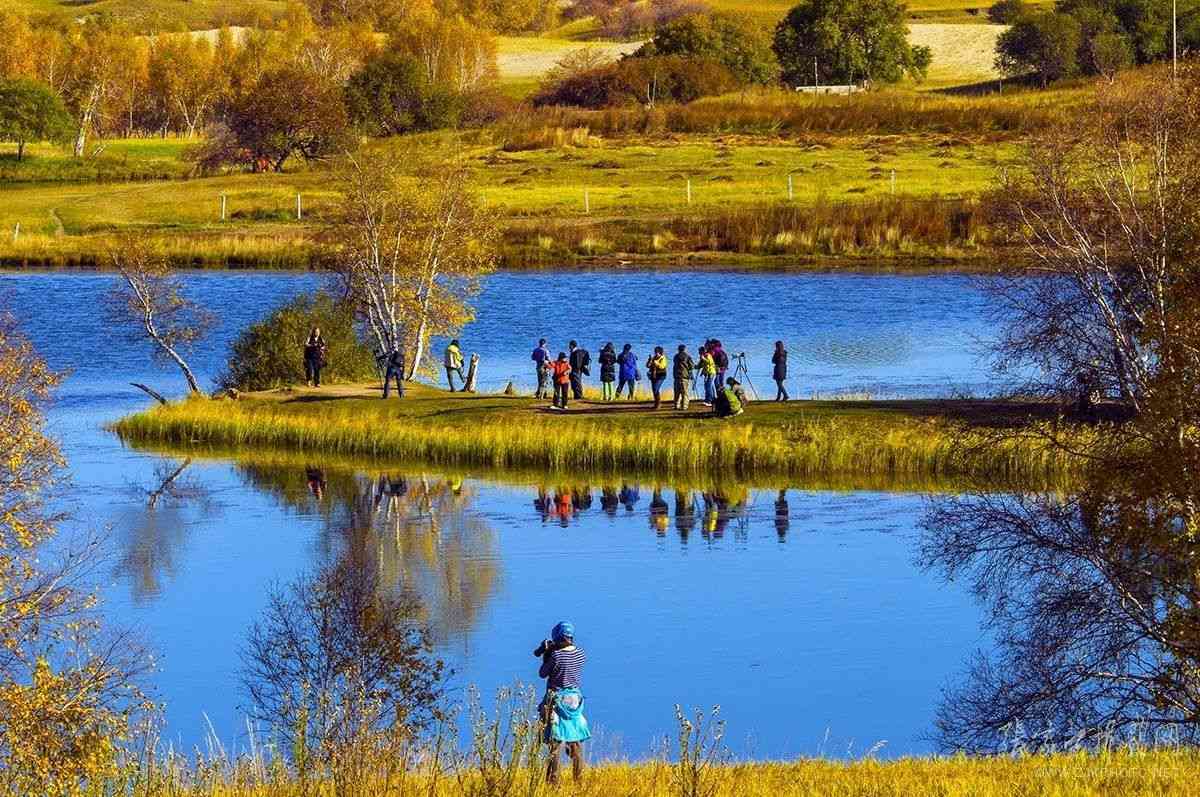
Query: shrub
{"type": "Point", "coordinates": [487, 106]}
{"type": "Point", "coordinates": [1006, 12]}
{"type": "Point", "coordinates": [645, 81]}
{"type": "Point", "coordinates": [1046, 44]}
{"type": "Point", "coordinates": [219, 149]}
{"type": "Point", "coordinates": [733, 40]}
{"type": "Point", "coordinates": [1110, 53]}
{"type": "Point", "coordinates": [291, 111]}
{"type": "Point", "coordinates": [269, 354]}
{"type": "Point", "coordinates": [392, 94]}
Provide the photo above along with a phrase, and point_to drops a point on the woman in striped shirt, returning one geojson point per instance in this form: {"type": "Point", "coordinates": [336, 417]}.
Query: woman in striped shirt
{"type": "Point", "coordinates": [562, 707]}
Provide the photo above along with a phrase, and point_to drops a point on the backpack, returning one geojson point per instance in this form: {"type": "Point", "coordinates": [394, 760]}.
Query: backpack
{"type": "Point", "coordinates": [721, 359]}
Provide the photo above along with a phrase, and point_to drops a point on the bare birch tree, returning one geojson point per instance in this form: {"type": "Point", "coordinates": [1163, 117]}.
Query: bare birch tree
{"type": "Point", "coordinates": [411, 243]}
{"type": "Point", "coordinates": [149, 303]}
{"type": "Point", "coordinates": [1108, 207]}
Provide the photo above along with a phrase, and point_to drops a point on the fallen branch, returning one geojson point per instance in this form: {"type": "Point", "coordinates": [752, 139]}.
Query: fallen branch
{"type": "Point", "coordinates": [152, 393]}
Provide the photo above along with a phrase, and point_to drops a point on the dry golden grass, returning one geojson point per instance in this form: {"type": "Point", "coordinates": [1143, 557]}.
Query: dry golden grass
{"type": "Point", "coordinates": [962, 54]}
{"type": "Point", "coordinates": [519, 57]}
{"type": "Point", "coordinates": [799, 439]}
{"type": "Point", "coordinates": [1121, 773]}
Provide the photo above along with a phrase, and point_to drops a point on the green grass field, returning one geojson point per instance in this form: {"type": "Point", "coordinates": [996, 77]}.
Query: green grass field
{"type": "Point", "coordinates": [65, 216]}
{"type": "Point", "coordinates": [798, 440]}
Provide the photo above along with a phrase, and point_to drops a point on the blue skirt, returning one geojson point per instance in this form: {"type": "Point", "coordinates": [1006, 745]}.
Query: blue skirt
{"type": "Point", "coordinates": [567, 723]}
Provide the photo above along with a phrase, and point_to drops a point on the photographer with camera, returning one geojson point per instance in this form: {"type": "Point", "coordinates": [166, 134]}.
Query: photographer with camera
{"type": "Point", "coordinates": [561, 709]}
{"type": "Point", "coordinates": [656, 369]}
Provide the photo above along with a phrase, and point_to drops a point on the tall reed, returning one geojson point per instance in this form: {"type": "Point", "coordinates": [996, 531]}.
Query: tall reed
{"type": "Point", "coordinates": [794, 445]}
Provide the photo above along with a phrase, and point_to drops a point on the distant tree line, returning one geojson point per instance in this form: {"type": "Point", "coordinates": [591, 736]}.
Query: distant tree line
{"type": "Point", "coordinates": [261, 96]}
{"type": "Point", "coordinates": [1091, 37]}
{"type": "Point", "coordinates": [701, 54]}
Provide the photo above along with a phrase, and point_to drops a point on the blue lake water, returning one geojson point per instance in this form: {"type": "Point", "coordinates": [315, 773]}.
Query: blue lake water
{"type": "Point", "coordinates": [806, 621]}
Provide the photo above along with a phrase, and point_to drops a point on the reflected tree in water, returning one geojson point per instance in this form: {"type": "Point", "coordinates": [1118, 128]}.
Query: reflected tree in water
{"type": "Point", "coordinates": [152, 535]}
{"type": "Point", "coordinates": [418, 532]}
{"type": "Point", "coordinates": [337, 658]}
{"type": "Point", "coordinates": [1092, 599]}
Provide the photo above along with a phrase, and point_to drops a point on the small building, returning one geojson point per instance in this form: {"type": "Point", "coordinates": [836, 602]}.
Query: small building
{"type": "Point", "coordinates": [853, 88]}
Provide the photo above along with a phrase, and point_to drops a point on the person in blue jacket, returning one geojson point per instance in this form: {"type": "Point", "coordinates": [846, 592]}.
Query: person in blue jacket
{"type": "Point", "coordinates": [628, 370]}
{"type": "Point", "coordinates": [561, 709]}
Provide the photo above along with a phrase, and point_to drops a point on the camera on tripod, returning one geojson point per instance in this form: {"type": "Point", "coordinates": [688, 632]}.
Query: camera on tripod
{"type": "Point", "coordinates": [741, 373]}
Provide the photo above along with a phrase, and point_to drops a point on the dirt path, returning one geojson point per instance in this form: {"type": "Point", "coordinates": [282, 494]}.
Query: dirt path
{"type": "Point", "coordinates": [59, 229]}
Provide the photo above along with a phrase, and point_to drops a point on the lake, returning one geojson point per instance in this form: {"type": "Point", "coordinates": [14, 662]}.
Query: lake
{"type": "Point", "coordinates": [801, 613]}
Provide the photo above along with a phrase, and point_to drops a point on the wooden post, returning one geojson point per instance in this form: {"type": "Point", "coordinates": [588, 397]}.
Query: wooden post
{"type": "Point", "coordinates": [16, 232]}
{"type": "Point", "coordinates": [222, 207]}
{"type": "Point", "coordinates": [472, 374]}
{"type": "Point", "coordinates": [299, 211]}
{"type": "Point", "coordinates": [587, 202]}
{"type": "Point", "coordinates": [689, 191]}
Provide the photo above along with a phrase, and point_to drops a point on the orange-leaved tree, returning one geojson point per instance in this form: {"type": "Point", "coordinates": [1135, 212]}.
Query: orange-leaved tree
{"type": "Point", "coordinates": [67, 693]}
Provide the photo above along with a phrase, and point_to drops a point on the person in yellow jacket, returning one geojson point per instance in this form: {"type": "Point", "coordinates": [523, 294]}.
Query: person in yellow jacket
{"type": "Point", "coordinates": [454, 365]}
{"type": "Point", "coordinates": [656, 369]}
{"type": "Point", "coordinates": [708, 370]}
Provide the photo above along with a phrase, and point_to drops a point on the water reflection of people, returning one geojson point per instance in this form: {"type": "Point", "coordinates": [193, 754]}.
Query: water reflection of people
{"type": "Point", "coordinates": [563, 508]}
{"type": "Point", "coordinates": [711, 513]}
{"type": "Point", "coordinates": [659, 519]}
{"type": "Point", "coordinates": [542, 503]}
{"type": "Point", "coordinates": [393, 490]}
{"type": "Point", "coordinates": [609, 501]}
{"type": "Point", "coordinates": [315, 477]}
{"type": "Point", "coordinates": [629, 496]}
{"type": "Point", "coordinates": [685, 512]}
{"type": "Point", "coordinates": [581, 496]}
{"type": "Point", "coordinates": [782, 514]}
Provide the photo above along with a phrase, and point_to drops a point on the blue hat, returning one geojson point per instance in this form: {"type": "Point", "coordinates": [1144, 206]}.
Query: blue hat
{"type": "Point", "coordinates": [563, 631]}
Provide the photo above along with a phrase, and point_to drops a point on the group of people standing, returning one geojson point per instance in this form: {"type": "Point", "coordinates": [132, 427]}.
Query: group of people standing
{"type": "Point", "coordinates": [562, 377]}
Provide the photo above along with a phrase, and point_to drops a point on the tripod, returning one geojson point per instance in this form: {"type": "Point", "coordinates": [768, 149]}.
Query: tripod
{"type": "Point", "coordinates": [741, 372]}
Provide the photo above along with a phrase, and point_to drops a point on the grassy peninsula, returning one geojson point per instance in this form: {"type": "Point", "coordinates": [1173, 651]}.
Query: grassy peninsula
{"type": "Point", "coordinates": [919, 439]}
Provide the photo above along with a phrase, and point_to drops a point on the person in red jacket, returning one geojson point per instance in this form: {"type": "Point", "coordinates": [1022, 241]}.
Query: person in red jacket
{"type": "Point", "coordinates": [560, 370]}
